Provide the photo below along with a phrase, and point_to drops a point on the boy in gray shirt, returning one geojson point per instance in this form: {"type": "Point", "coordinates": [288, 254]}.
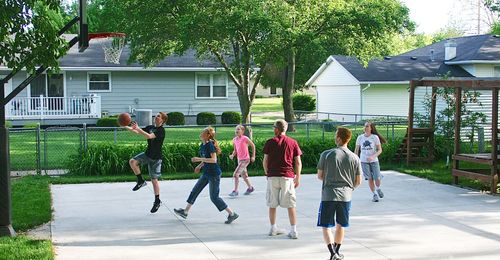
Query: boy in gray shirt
{"type": "Point", "coordinates": [340, 171]}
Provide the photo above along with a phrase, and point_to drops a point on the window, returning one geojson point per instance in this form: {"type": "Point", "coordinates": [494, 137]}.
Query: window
{"type": "Point", "coordinates": [49, 86]}
{"type": "Point", "coordinates": [273, 90]}
{"type": "Point", "coordinates": [497, 71]}
{"type": "Point", "coordinates": [99, 82]}
{"type": "Point", "coordinates": [211, 85]}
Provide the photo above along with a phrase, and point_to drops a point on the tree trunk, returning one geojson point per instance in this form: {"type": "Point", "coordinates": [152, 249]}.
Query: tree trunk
{"type": "Point", "coordinates": [288, 86]}
{"type": "Point", "coordinates": [244, 105]}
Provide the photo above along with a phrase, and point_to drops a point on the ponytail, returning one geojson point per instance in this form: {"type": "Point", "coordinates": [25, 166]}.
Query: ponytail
{"type": "Point", "coordinates": [211, 137]}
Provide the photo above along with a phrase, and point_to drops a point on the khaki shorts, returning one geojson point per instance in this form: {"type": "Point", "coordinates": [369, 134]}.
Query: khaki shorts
{"type": "Point", "coordinates": [280, 192]}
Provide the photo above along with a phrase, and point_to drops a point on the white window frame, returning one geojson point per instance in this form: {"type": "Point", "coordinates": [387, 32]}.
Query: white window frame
{"type": "Point", "coordinates": [98, 72]}
{"type": "Point", "coordinates": [211, 85]}
{"type": "Point", "coordinates": [28, 89]}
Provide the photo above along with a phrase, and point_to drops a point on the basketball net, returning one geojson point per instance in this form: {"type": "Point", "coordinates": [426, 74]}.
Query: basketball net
{"type": "Point", "coordinates": [112, 44]}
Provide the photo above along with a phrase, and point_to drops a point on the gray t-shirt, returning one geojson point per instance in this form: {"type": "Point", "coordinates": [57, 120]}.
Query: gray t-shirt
{"type": "Point", "coordinates": [340, 167]}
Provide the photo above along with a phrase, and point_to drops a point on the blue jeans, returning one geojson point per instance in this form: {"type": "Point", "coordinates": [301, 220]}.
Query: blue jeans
{"type": "Point", "coordinates": [214, 189]}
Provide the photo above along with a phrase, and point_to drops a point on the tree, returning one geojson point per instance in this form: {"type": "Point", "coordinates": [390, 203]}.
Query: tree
{"type": "Point", "coordinates": [239, 34]}
{"type": "Point", "coordinates": [29, 34]}
{"type": "Point", "coordinates": [452, 30]}
{"type": "Point", "coordinates": [312, 30]}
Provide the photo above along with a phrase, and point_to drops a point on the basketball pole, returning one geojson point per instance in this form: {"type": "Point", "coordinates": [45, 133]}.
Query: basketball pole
{"type": "Point", "coordinates": [5, 199]}
{"type": "Point", "coordinates": [6, 228]}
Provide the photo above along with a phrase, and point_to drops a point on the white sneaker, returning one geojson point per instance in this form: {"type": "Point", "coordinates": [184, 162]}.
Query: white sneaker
{"type": "Point", "coordinates": [293, 235]}
{"type": "Point", "coordinates": [375, 198]}
{"type": "Point", "coordinates": [276, 232]}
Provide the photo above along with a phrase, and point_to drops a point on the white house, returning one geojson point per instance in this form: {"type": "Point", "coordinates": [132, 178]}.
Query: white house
{"type": "Point", "coordinates": [344, 86]}
{"type": "Point", "coordinates": [87, 87]}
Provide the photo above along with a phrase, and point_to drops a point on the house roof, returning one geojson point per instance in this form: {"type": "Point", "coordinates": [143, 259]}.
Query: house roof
{"type": "Point", "coordinates": [93, 58]}
{"type": "Point", "coordinates": [417, 63]}
{"type": "Point", "coordinates": [399, 68]}
{"type": "Point", "coordinates": [470, 49]}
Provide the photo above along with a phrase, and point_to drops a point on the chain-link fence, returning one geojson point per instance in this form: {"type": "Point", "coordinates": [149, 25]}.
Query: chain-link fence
{"type": "Point", "coordinates": [40, 150]}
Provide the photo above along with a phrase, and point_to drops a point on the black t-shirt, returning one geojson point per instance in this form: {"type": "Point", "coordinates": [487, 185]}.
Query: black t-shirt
{"type": "Point", "coordinates": [154, 145]}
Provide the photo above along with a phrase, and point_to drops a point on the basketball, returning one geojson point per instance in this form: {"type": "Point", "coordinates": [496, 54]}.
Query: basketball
{"type": "Point", "coordinates": [124, 119]}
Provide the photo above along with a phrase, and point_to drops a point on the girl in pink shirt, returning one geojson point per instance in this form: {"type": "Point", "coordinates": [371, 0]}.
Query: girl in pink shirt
{"type": "Point", "coordinates": [240, 144]}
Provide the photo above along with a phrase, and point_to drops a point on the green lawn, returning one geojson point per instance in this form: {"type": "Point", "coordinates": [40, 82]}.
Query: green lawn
{"type": "Point", "coordinates": [272, 104]}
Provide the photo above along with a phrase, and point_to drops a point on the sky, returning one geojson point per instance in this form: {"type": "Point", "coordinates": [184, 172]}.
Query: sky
{"type": "Point", "coordinates": [432, 15]}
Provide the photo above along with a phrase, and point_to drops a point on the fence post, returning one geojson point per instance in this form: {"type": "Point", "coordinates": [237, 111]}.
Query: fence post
{"type": "Point", "coordinates": [45, 166]}
{"type": "Point", "coordinates": [323, 134]}
{"type": "Point", "coordinates": [38, 150]}
{"type": "Point", "coordinates": [307, 130]}
{"type": "Point", "coordinates": [84, 137]}
{"type": "Point", "coordinates": [393, 132]}
{"type": "Point", "coordinates": [387, 127]}
{"type": "Point", "coordinates": [115, 132]}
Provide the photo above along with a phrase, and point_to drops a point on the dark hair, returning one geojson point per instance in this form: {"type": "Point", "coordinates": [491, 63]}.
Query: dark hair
{"type": "Point", "coordinates": [374, 132]}
{"type": "Point", "coordinates": [211, 137]}
{"type": "Point", "coordinates": [344, 134]}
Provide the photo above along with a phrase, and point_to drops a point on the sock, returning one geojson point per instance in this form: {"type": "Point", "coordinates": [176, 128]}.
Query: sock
{"type": "Point", "coordinates": [139, 178]}
{"type": "Point", "coordinates": [337, 247]}
{"type": "Point", "coordinates": [157, 198]}
{"type": "Point", "coordinates": [274, 226]}
{"type": "Point", "coordinates": [375, 192]}
{"type": "Point", "coordinates": [331, 248]}
{"type": "Point", "coordinates": [293, 228]}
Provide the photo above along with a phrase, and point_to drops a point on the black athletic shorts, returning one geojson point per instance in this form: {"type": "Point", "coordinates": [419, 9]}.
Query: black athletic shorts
{"type": "Point", "coordinates": [331, 212]}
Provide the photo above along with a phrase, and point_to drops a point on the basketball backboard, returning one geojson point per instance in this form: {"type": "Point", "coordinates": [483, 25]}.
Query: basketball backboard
{"type": "Point", "coordinates": [83, 32]}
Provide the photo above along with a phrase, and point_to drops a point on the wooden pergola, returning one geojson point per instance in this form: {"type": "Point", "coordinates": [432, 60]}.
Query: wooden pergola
{"type": "Point", "coordinates": [491, 175]}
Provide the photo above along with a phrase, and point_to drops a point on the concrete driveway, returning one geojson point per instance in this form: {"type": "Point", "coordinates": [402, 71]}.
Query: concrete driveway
{"type": "Point", "coordinates": [418, 219]}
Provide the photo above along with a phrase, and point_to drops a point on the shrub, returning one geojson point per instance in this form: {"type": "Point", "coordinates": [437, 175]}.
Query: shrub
{"type": "Point", "coordinates": [206, 118]}
{"type": "Point", "coordinates": [110, 121]}
{"type": "Point", "coordinates": [328, 125]}
{"type": "Point", "coordinates": [230, 117]}
{"type": "Point", "coordinates": [176, 118]}
{"type": "Point", "coordinates": [8, 124]}
{"type": "Point", "coordinates": [304, 102]}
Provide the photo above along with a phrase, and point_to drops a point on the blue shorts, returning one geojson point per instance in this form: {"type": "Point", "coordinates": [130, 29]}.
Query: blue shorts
{"type": "Point", "coordinates": [371, 171]}
{"type": "Point", "coordinates": [331, 212]}
{"type": "Point", "coordinates": [154, 166]}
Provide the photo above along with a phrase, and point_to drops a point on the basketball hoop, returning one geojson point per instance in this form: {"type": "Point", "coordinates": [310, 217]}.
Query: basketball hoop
{"type": "Point", "coordinates": [112, 47]}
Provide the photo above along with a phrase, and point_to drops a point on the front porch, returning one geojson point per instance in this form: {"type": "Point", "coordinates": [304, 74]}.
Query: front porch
{"type": "Point", "coordinates": [46, 108]}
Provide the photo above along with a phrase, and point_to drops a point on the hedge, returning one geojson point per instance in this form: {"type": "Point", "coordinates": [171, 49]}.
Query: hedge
{"type": "Point", "coordinates": [176, 118]}
{"type": "Point", "coordinates": [111, 121]}
{"type": "Point", "coordinates": [231, 117]}
{"type": "Point", "coordinates": [112, 159]}
{"type": "Point", "coordinates": [206, 118]}
{"type": "Point", "coordinates": [302, 102]}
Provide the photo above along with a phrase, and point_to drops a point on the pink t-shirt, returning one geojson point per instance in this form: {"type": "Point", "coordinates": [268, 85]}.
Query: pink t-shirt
{"type": "Point", "coordinates": [241, 146]}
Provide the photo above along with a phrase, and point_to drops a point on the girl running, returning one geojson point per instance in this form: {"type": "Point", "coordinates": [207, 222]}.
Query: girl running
{"type": "Point", "coordinates": [209, 150]}
{"type": "Point", "coordinates": [240, 144]}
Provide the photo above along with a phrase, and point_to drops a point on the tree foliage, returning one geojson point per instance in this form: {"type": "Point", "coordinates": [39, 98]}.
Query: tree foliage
{"type": "Point", "coordinates": [445, 118]}
{"type": "Point", "coordinates": [29, 34]}
{"type": "Point", "coordinates": [249, 36]}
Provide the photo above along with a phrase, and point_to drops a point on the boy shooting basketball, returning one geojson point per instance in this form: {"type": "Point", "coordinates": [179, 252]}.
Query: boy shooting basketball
{"type": "Point", "coordinates": [155, 134]}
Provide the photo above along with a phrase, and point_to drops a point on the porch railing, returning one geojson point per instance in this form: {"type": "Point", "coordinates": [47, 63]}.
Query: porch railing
{"type": "Point", "coordinates": [54, 107]}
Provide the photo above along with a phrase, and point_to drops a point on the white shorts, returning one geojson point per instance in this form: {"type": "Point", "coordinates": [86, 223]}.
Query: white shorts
{"type": "Point", "coordinates": [280, 192]}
